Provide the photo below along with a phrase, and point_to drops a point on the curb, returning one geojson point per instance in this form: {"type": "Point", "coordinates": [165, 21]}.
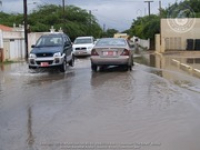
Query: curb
{"type": "Point", "coordinates": [187, 67]}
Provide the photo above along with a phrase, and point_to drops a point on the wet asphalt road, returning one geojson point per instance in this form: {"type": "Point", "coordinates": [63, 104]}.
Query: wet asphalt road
{"type": "Point", "coordinates": [149, 108]}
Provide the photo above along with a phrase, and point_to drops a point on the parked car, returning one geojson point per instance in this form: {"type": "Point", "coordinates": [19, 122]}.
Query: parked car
{"type": "Point", "coordinates": [82, 46]}
{"type": "Point", "coordinates": [51, 50]}
{"type": "Point", "coordinates": [112, 51]}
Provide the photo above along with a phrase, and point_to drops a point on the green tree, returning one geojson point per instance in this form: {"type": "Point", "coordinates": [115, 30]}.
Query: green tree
{"type": "Point", "coordinates": [145, 27]}
{"type": "Point", "coordinates": [75, 21]}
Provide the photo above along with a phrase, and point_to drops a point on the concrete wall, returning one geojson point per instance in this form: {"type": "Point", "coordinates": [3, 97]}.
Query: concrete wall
{"type": "Point", "coordinates": [157, 46]}
{"type": "Point", "coordinates": [175, 32]}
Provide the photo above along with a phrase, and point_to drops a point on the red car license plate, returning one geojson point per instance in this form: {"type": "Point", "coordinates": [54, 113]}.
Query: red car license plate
{"type": "Point", "coordinates": [44, 64]}
{"type": "Point", "coordinates": [109, 53]}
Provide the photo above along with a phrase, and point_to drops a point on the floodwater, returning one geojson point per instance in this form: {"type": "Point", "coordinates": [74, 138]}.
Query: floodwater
{"type": "Point", "coordinates": [156, 106]}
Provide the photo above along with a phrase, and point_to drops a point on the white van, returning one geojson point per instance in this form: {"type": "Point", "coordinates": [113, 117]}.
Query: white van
{"type": "Point", "coordinates": [83, 45]}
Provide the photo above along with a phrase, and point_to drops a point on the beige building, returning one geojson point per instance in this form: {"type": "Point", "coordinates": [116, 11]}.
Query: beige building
{"type": "Point", "coordinates": [176, 32]}
{"type": "Point", "coordinates": [121, 35]}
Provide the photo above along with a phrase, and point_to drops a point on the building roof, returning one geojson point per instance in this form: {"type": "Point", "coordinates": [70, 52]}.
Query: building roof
{"type": "Point", "coordinates": [5, 28]}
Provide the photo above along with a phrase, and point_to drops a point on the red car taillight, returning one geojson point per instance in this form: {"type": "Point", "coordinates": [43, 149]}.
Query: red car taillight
{"type": "Point", "coordinates": [94, 52]}
{"type": "Point", "coordinates": [125, 52]}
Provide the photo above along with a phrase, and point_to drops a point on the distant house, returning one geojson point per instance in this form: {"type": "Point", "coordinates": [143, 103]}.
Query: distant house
{"type": "Point", "coordinates": [5, 28]}
{"type": "Point", "coordinates": [12, 43]}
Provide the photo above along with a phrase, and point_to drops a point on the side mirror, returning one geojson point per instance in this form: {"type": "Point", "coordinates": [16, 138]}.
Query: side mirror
{"type": "Point", "coordinates": [32, 46]}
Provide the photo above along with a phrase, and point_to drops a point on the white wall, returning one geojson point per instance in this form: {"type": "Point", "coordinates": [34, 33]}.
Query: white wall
{"type": "Point", "coordinates": [13, 35]}
{"type": "Point", "coordinates": [173, 39]}
{"type": "Point", "coordinates": [145, 43]}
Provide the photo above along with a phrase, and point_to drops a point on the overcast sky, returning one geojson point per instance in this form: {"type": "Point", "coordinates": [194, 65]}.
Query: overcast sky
{"type": "Point", "coordinates": [117, 14]}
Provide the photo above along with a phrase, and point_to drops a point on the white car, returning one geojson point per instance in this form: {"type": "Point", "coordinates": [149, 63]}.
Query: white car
{"type": "Point", "coordinates": [83, 45]}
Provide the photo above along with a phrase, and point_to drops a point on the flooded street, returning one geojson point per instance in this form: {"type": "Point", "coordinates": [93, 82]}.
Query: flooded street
{"type": "Point", "coordinates": [154, 107]}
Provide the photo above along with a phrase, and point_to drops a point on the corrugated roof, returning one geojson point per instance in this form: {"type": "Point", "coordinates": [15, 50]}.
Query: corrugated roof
{"type": "Point", "coordinates": [5, 28]}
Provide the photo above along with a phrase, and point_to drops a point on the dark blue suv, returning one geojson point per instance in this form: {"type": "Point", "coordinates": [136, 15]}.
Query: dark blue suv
{"type": "Point", "coordinates": [51, 50]}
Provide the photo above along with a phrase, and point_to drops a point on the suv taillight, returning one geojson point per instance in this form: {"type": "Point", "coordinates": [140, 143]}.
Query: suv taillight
{"type": "Point", "coordinates": [125, 52]}
{"type": "Point", "coordinates": [94, 52]}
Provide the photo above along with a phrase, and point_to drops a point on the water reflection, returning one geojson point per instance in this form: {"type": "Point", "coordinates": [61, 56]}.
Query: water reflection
{"type": "Point", "coordinates": [156, 62]}
{"type": "Point", "coordinates": [30, 139]}
{"type": "Point", "coordinates": [152, 60]}
{"type": "Point", "coordinates": [40, 79]}
{"type": "Point", "coordinates": [176, 68]}
{"type": "Point", "coordinates": [2, 67]}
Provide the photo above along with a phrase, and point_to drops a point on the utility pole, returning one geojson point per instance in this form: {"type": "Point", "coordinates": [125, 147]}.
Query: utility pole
{"type": "Point", "coordinates": [104, 27]}
{"type": "Point", "coordinates": [90, 21]}
{"type": "Point", "coordinates": [63, 4]}
{"type": "Point", "coordinates": [90, 13]}
{"type": "Point", "coordinates": [160, 7]}
{"type": "Point", "coordinates": [149, 5]}
{"type": "Point", "coordinates": [63, 16]}
{"type": "Point", "coordinates": [25, 29]}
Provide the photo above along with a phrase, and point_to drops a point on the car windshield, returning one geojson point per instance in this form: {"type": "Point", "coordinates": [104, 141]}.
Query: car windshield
{"type": "Point", "coordinates": [83, 41]}
{"type": "Point", "coordinates": [111, 42]}
{"type": "Point", "coordinates": [46, 41]}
